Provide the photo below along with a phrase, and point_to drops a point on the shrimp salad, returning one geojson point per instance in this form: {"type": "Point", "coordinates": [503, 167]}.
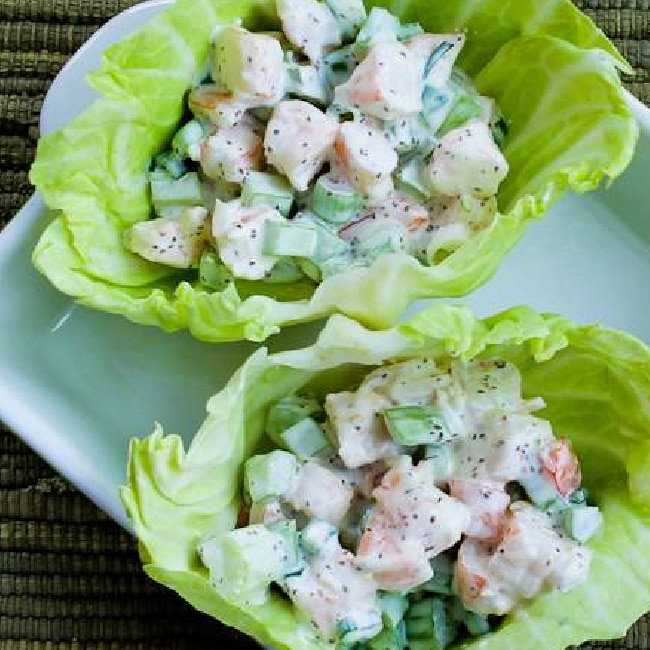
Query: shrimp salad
{"type": "Point", "coordinates": [319, 148]}
{"type": "Point", "coordinates": [412, 511]}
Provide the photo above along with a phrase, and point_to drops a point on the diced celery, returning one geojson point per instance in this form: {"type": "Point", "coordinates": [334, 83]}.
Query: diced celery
{"type": "Point", "coordinates": [329, 244]}
{"type": "Point", "coordinates": [339, 64]}
{"type": "Point", "coordinates": [580, 497]}
{"type": "Point", "coordinates": [410, 173]}
{"type": "Point", "coordinates": [408, 30]}
{"type": "Point", "coordinates": [294, 562]}
{"type": "Point", "coordinates": [540, 490]}
{"type": "Point", "coordinates": [213, 273]}
{"type": "Point", "coordinates": [476, 624]}
{"type": "Point", "coordinates": [354, 524]}
{"type": "Point", "coordinates": [289, 411]}
{"type": "Point", "coordinates": [393, 606]}
{"type": "Point", "coordinates": [170, 192]}
{"type": "Point", "coordinates": [284, 271]}
{"type": "Point", "coordinates": [270, 476]}
{"type": "Point", "coordinates": [171, 164]}
{"type": "Point", "coordinates": [316, 535]}
{"type": "Point", "coordinates": [466, 107]}
{"type": "Point", "coordinates": [380, 25]}
{"type": "Point", "coordinates": [430, 619]}
{"type": "Point", "coordinates": [436, 106]}
{"type": "Point", "coordinates": [289, 239]}
{"type": "Point", "coordinates": [441, 460]}
{"type": "Point", "coordinates": [351, 631]}
{"type": "Point", "coordinates": [188, 139]}
{"type": "Point", "coordinates": [582, 522]}
{"type": "Point", "coordinates": [307, 82]}
{"type": "Point", "coordinates": [442, 580]}
{"type": "Point", "coordinates": [243, 562]}
{"type": "Point", "coordinates": [305, 439]}
{"type": "Point", "coordinates": [267, 189]}
{"type": "Point", "coordinates": [349, 14]}
{"type": "Point", "coordinates": [389, 639]}
{"type": "Point", "coordinates": [416, 425]}
{"type": "Point", "coordinates": [436, 55]}
{"type": "Point", "coordinates": [334, 199]}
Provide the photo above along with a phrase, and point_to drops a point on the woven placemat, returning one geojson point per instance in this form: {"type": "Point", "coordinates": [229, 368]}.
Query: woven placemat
{"type": "Point", "coordinates": [70, 578]}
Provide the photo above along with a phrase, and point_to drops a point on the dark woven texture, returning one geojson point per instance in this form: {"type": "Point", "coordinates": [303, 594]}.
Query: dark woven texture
{"type": "Point", "coordinates": [69, 578]}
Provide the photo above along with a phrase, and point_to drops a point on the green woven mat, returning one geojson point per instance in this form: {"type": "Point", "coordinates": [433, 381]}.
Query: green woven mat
{"type": "Point", "coordinates": [69, 577]}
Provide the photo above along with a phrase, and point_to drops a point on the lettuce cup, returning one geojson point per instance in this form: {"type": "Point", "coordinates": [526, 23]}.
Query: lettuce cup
{"type": "Point", "coordinates": [450, 482]}
{"type": "Point", "coordinates": [252, 165]}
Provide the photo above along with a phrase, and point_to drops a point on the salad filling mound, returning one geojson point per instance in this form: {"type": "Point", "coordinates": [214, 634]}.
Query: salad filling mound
{"type": "Point", "coordinates": [319, 148]}
{"type": "Point", "coordinates": [414, 511]}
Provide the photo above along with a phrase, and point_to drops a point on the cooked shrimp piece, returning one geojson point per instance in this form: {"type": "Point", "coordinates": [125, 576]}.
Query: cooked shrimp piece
{"type": "Point", "coordinates": [175, 241]}
{"type": "Point", "coordinates": [560, 465]}
{"type": "Point", "coordinates": [298, 139]}
{"type": "Point", "coordinates": [251, 66]}
{"type": "Point", "coordinates": [387, 84]}
{"type": "Point", "coordinates": [332, 590]}
{"type": "Point", "coordinates": [310, 26]}
{"type": "Point", "coordinates": [239, 233]}
{"type": "Point", "coordinates": [487, 502]}
{"type": "Point", "coordinates": [322, 494]}
{"type": "Point", "coordinates": [466, 160]}
{"type": "Point", "coordinates": [231, 153]}
{"type": "Point", "coordinates": [530, 558]}
{"type": "Point", "coordinates": [212, 103]}
{"type": "Point", "coordinates": [368, 160]}
{"type": "Point", "coordinates": [412, 522]}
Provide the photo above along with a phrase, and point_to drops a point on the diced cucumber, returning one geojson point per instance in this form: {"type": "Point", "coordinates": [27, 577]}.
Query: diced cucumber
{"type": "Point", "coordinates": [380, 25]}
{"type": "Point", "coordinates": [443, 575]}
{"type": "Point", "coordinates": [410, 173]}
{"type": "Point", "coordinates": [351, 631]}
{"type": "Point", "coordinates": [349, 14]}
{"type": "Point", "coordinates": [284, 271]}
{"type": "Point", "coordinates": [187, 141]}
{"type": "Point", "coordinates": [441, 460]}
{"type": "Point", "coordinates": [294, 562]}
{"type": "Point", "coordinates": [416, 425]}
{"type": "Point", "coordinates": [410, 134]}
{"type": "Point", "coordinates": [170, 192]}
{"type": "Point", "coordinates": [393, 606]}
{"type": "Point", "coordinates": [305, 439]}
{"type": "Point", "coordinates": [213, 273]}
{"type": "Point", "coordinates": [582, 522]}
{"type": "Point", "coordinates": [436, 55]}
{"type": "Point", "coordinates": [339, 64]}
{"type": "Point", "coordinates": [540, 490]}
{"type": "Point", "coordinates": [329, 244]}
{"type": "Point", "coordinates": [243, 562]}
{"type": "Point", "coordinates": [171, 164]}
{"type": "Point", "coordinates": [289, 411]}
{"type": "Point", "coordinates": [430, 620]}
{"type": "Point", "coordinates": [267, 189]}
{"type": "Point", "coordinates": [316, 536]}
{"type": "Point", "coordinates": [334, 199]}
{"type": "Point", "coordinates": [389, 639]}
{"type": "Point", "coordinates": [270, 476]}
{"type": "Point", "coordinates": [289, 239]}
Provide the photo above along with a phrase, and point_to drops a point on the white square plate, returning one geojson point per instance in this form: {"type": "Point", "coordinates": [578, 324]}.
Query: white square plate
{"type": "Point", "coordinates": [77, 384]}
